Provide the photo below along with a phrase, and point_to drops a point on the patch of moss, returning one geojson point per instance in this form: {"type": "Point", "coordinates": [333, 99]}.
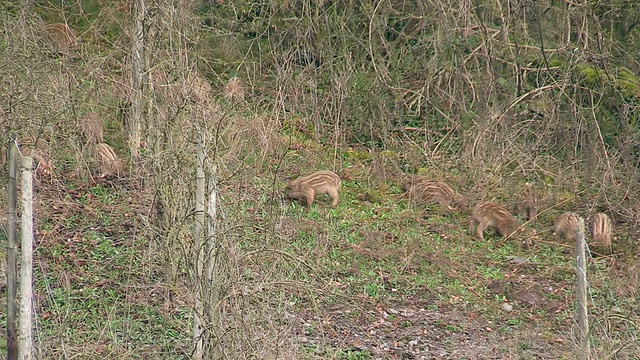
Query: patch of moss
{"type": "Point", "coordinates": [357, 154]}
{"type": "Point", "coordinates": [628, 83]}
{"type": "Point", "coordinates": [590, 75]}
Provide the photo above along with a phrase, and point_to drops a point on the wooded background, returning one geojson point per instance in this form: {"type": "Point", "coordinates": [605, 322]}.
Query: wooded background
{"type": "Point", "coordinates": [486, 94]}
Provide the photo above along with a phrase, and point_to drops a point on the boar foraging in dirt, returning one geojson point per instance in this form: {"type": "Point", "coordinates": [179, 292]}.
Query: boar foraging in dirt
{"type": "Point", "coordinates": [318, 183]}
{"type": "Point", "coordinates": [428, 191]}
{"type": "Point", "coordinates": [109, 161]}
{"type": "Point", "coordinates": [490, 215]}
{"type": "Point", "coordinates": [567, 225]}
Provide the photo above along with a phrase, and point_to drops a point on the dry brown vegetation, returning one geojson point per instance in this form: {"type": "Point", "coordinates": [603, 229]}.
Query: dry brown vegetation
{"type": "Point", "coordinates": [483, 96]}
{"type": "Point", "coordinates": [91, 126]}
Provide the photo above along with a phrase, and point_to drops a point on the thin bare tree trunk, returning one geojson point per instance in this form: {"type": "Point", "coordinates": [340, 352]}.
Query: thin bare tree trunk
{"type": "Point", "coordinates": [213, 278]}
{"type": "Point", "coordinates": [212, 209]}
{"type": "Point", "coordinates": [12, 345]}
{"type": "Point", "coordinates": [137, 82]}
{"type": "Point", "coordinates": [198, 313]}
{"type": "Point", "coordinates": [26, 265]}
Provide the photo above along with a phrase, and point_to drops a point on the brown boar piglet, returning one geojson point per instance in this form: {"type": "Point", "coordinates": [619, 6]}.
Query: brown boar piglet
{"type": "Point", "coordinates": [527, 203]}
{"type": "Point", "coordinates": [567, 225]}
{"type": "Point", "coordinates": [601, 230]}
{"type": "Point", "coordinates": [488, 215]}
{"type": "Point", "coordinates": [318, 183]}
{"type": "Point", "coordinates": [425, 190]}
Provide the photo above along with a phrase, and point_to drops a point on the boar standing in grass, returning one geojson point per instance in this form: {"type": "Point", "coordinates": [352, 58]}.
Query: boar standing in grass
{"type": "Point", "coordinates": [567, 225]}
{"type": "Point", "coordinates": [527, 203]}
{"type": "Point", "coordinates": [601, 229]}
{"type": "Point", "coordinates": [428, 191]}
{"type": "Point", "coordinates": [109, 161]}
{"type": "Point", "coordinates": [318, 183]}
{"type": "Point", "coordinates": [488, 215]}
{"type": "Point", "coordinates": [92, 128]}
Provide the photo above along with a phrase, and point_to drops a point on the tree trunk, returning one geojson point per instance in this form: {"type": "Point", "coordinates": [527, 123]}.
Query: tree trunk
{"type": "Point", "coordinates": [12, 346]}
{"type": "Point", "coordinates": [199, 255]}
{"type": "Point", "coordinates": [26, 265]}
{"type": "Point", "coordinates": [137, 83]}
{"type": "Point", "coordinates": [214, 278]}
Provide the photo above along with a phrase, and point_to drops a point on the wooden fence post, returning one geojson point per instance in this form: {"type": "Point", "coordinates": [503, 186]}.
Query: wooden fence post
{"type": "Point", "coordinates": [25, 343]}
{"type": "Point", "coordinates": [12, 234]}
{"type": "Point", "coordinates": [581, 293]}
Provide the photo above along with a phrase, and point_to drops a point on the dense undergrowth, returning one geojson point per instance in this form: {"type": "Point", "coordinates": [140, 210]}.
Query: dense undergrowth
{"type": "Point", "coordinates": [347, 279]}
{"type": "Point", "coordinates": [477, 95]}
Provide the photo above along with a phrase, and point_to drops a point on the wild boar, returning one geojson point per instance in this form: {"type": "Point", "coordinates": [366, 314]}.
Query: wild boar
{"type": "Point", "coordinates": [234, 90]}
{"type": "Point", "coordinates": [427, 191]}
{"type": "Point", "coordinates": [567, 225]}
{"type": "Point", "coordinates": [318, 183]}
{"type": "Point", "coordinates": [92, 128]}
{"type": "Point", "coordinates": [38, 151]}
{"type": "Point", "coordinates": [62, 37]}
{"type": "Point", "coordinates": [109, 161]}
{"type": "Point", "coordinates": [488, 215]}
{"type": "Point", "coordinates": [527, 203]}
{"type": "Point", "coordinates": [601, 230]}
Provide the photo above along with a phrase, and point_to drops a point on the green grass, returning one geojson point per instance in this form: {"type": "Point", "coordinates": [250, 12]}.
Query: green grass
{"type": "Point", "coordinates": [101, 282]}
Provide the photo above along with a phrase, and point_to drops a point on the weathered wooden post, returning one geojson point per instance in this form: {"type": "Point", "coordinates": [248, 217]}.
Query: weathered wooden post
{"type": "Point", "coordinates": [581, 293]}
{"type": "Point", "coordinates": [199, 257]}
{"type": "Point", "coordinates": [12, 188]}
{"type": "Point", "coordinates": [26, 264]}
